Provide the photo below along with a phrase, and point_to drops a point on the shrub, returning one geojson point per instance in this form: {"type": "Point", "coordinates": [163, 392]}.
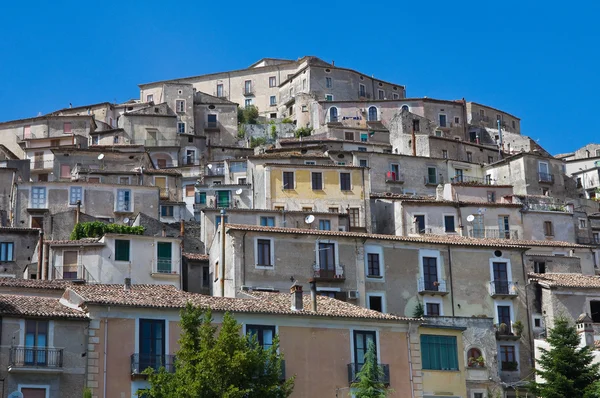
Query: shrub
{"type": "Point", "coordinates": [273, 132]}
{"type": "Point", "coordinates": [250, 114]}
{"type": "Point", "coordinates": [287, 120]}
{"type": "Point", "coordinates": [97, 229]}
{"type": "Point", "coordinates": [257, 141]}
{"type": "Point", "coordinates": [303, 132]}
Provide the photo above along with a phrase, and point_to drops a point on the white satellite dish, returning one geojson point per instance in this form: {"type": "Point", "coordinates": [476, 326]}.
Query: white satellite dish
{"type": "Point", "coordinates": [101, 156]}
{"type": "Point", "coordinates": [470, 218]}
{"type": "Point", "coordinates": [209, 166]}
{"type": "Point", "coordinates": [239, 191]}
{"type": "Point", "coordinates": [126, 220]}
{"type": "Point", "coordinates": [309, 219]}
{"type": "Point", "coordinates": [15, 394]}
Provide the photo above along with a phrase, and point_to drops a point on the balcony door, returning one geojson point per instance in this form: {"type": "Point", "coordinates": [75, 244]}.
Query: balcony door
{"type": "Point", "coordinates": [326, 260]}
{"type": "Point", "coordinates": [36, 342]}
{"type": "Point", "coordinates": [478, 228]}
{"type": "Point", "coordinates": [361, 344]}
{"type": "Point", "coordinates": [164, 257]}
{"type": "Point", "coordinates": [430, 276]}
{"type": "Point", "coordinates": [500, 278]}
{"type": "Point", "coordinates": [152, 344]}
{"type": "Point", "coordinates": [420, 223]}
{"type": "Point", "coordinates": [504, 315]}
{"type": "Point", "coordinates": [33, 392]}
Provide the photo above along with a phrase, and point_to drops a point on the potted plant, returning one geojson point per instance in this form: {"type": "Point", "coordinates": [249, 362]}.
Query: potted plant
{"type": "Point", "coordinates": [476, 362]}
{"type": "Point", "coordinates": [502, 328]}
{"type": "Point", "coordinates": [518, 327]}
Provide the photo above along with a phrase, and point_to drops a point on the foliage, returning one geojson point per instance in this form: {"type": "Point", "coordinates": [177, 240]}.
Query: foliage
{"type": "Point", "coordinates": [241, 132]}
{"type": "Point", "coordinates": [566, 368]}
{"type": "Point", "coordinates": [370, 378]}
{"type": "Point", "coordinates": [518, 328]}
{"type": "Point", "coordinates": [419, 311]}
{"type": "Point", "coordinates": [240, 115]}
{"type": "Point", "coordinates": [87, 393]}
{"type": "Point", "coordinates": [273, 132]}
{"type": "Point", "coordinates": [223, 365]}
{"type": "Point", "coordinates": [287, 120]}
{"type": "Point", "coordinates": [257, 141]}
{"type": "Point", "coordinates": [97, 229]}
{"type": "Point", "coordinates": [250, 114]}
{"type": "Point", "coordinates": [479, 361]}
{"type": "Point", "coordinates": [303, 132]}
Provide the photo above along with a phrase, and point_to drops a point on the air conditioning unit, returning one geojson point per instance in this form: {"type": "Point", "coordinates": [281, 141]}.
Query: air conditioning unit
{"type": "Point", "coordinates": [353, 295]}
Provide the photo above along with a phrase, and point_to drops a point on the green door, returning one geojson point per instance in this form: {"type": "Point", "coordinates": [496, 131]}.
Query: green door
{"type": "Point", "coordinates": [164, 257]}
{"type": "Point", "coordinates": [222, 198]}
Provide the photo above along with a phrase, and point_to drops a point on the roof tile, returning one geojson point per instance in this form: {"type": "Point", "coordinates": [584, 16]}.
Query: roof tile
{"type": "Point", "coordinates": [567, 280]}
{"type": "Point", "coordinates": [19, 305]}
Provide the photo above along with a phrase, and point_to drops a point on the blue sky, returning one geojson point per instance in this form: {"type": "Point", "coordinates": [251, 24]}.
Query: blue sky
{"type": "Point", "coordinates": [538, 61]}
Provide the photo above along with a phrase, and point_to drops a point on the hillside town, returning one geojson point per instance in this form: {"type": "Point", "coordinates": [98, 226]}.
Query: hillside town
{"type": "Point", "coordinates": [313, 202]}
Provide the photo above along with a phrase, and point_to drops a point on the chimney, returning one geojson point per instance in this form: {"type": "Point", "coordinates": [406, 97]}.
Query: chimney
{"type": "Point", "coordinates": [313, 293]}
{"type": "Point", "coordinates": [164, 231]}
{"type": "Point", "coordinates": [296, 296]}
{"type": "Point", "coordinates": [127, 286]}
{"type": "Point", "coordinates": [181, 228]}
{"type": "Point", "coordinates": [585, 330]}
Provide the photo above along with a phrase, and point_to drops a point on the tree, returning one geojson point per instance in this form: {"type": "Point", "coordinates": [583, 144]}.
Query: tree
{"type": "Point", "coordinates": [566, 367]}
{"type": "Point", "coordinates": [370, 379]}
{"type": "Point", "coordinates": [226, 364]}
{"type": "Point", "coordinates": [250, 114]}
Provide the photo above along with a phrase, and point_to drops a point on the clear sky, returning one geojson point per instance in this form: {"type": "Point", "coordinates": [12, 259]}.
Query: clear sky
{"type": "Point", "coordinates": [536, 60]}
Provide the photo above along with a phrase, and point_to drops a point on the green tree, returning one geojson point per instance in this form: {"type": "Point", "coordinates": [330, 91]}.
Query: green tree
{"type": "Point", "coordinates": [250, 114]}
{"type": "Point", "coordinates": [370, 378]}
{"type": "Point", "coordinates": [566, 367]}
{"type": "Point", "coordinates": [226, 364]}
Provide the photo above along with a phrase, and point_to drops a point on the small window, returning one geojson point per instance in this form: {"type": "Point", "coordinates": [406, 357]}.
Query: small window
{"type": "Point", "coordinates": [200, 198]}
{"type": "Point", "coordinates": [38, 197]}
{"type": "Point", "coordinates": [166, 211]}
{"type": "Point", "coordinates": [75, 195]}
{"type": "Point", "coordinates": [304, 108]}
{"type": "Point", "coordinates": [7, 250]}
{"type": "Point", "coordinates": [121, 250]}
{"type": "Point", "coordinates": [306, 209]}
{"type": "Point", "coordinates": [189, 190]}
{"type": "Point", "coordinates": [248, 102]}
{"type": "Point", "coordinates": [65, 171]}
{"type": "Point", "coordinates": [376, 303]}
{"type": "Point", "coordinates": [508, 359]}
{"type": "Point", "coordinates": [362, 149]}
{"type": "Point", "coordinates": [272, 81]}
{"type": "Point", "coordinates": [537, 322]}
{"type": "Point", "coordinates": [267, 221]}
{"type": "Point", "coordinates": [181, 127]}
{"type": "Point", "coordinates": [288, 180]}
{"type": "Point", "coordinates": [180, 106]}
{"type": "Point", "coordinates": [380, 94]}
{"type": "Point", "coordinates": [363, 163]}
{"type": "Point", "coordinates": [490, 159]}
{"type": "Point", "coordinates": [67, 127]}
{"type": "Point", "coordinates": [442, 120]}
{"type": "Point", "coordinates": [310, 162]}
{"type": "Point", "coordinates": [372, 114]}
{"type": "Point", "coordinates": [514, 124]}
{"type": "Point", "coordinates": [218, 219]}
{"type": "Point", "coordinates": [539, 267]}
{"type": "Point", "coordinates": [345, 184]}
{"type": "Point", "coordinates": [325, 225]}
{"type": "Point", "coordinates": [328, 97]}
{"type": "Point", "coordinates": [149, 98]}
{"type": "Point", "coordinates": [548, 228]}
{"type": "Point", "coordinates": [456, 120]}
{"type": "Point", "coordinates": [220, 91]}
{"type": "Point", "coordinates": [481, 113]}
{"type": "Point", "coordinates": [328, 82]}
{"type": "Point", "coordinates": [491, 197]}
{"type": "Point", "coordinates": [444, 154]}
{"type": "Point", "coordinates": [264, 334]}
{"type": "Point", "coordinates": [395, 96]}
{"type": "Point", "coordinates": [317, 181]}
{"type": "Point", "coordinates": [124, 200]}
{"type": "Point", "coordinates": [469, 157]}
{"type": "Point", "coordinates": [439, 352]}
{"type": "Point", "coordinates": [431, 175]}
{"type": "Point", "coordinates": [263, 253]}
{"type": "Point", "coordinates": [273, 116]}
{"type": "Point", "coordinates": [333, 114]}
{"type": "Point", "coordinates": [582, 223]}
{"type": "Point", "coordinates": [334, 210]}
{"type": "Point", "coordinates": [449, 224]}
{"type": "Point", "coordinates": [349, 136]}
{"type": "Point", "coordinates": [241, 181]}
{"type": "Point", "coordinates": [362, 92]}
{"type": "Point", "coordinates": [364, 137]}
{"type": "Point", "coordinates": [248, 87]}
{"type": "Point", "coordinates": [405, 108]}
{"type": "Point", "coordinates": [272, 100]}
{"type": "Point", "coordinates": [432, 309]}
{"type": "Point", "coordinates": [373, 266]}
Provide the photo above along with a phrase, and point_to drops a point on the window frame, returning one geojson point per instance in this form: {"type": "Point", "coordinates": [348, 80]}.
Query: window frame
{"type": "Point", "coordinates": [4, 248]}
{"type": "Point", "coordinates": [437, 345]}
{"type": "Point", "coordinates": [177, 107]}
{"type": "Point", "coordinates": [284, 186]}
{"type": "Point", "coordinates": [349, 174]}
{"type": "Point", "coordinates": [271, 253]}
{"type": "Point", "coordinates": [323, 222]}
{"type": "Point", "coordinates": [172, 211]}
{"type": "Point", "coordinates": [313, 174]}
{"type": "Point", "coordinates": [272, 100]}
{"type": "Point", "coordinates": [129, 201]}
{"type": "Point", "coordinates": [266, 219]}
{"type": "Point", "coordinates": [38, 204]}
{"type": "Point", "coordinates": [128, 249]}
{"type": "Point", "coordinates": [548, 227]}
{"type": "Point", "coordinates": [453, 222]}
{"type": "Point", "coordinates": [181, 127]}
{"type": "Point", "coordinates": [374, 249]}
{"type": "Point", "coordinates": [74, 203]}
{"type": "Point", "coordinates": [445, 125]}
{"type": "Point", "coordinates": [428, 175]}
{"type": "Point", "coordinates": [328, 82]}
{"type": "Point", "coordinates": [353, 345]}
{"type": "Point", "coordinates": [260, 335]}
{"type": "Point", "coordinates": [433, 300]}
{"type": "Point", "coordinates": [380, 294]}
{"type": "Point", "coordinates": [272, 81]}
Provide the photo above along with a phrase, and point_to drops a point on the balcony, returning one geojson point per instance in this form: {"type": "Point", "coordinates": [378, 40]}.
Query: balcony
{"type": "Point", "coordinates": [468, 180]}
{"type": "Point", "coordinates": [393, 177]}
{"type": "Point", "coordinates": [329, 274]}
{"type": "Point", "coordinates": [217, 169]}
{"type": "Point", "coordinates": [430, 180]}
{"type": "Point", "coordinates": [164, 193]}
{"type": "Point", "coordinates": [154, 143]}
{"type": "Point", "coordinates": [212, 126]}
{"type": "Point", "coordinates": [35, 359]}
{"type": "Point", "coordinates": [493, 233]}
{"type": "Point", "coordinates": [42, 165]}
{"type": "Point", "coordinates": [546, 178]}
{"type": "Point", "coordinates": [364, 95]}
{"type": "Point", "coordinates": [248, 90]}
{"type": "Point", "coordinates": [354, 368]}
{"type": "Point", "coordinates": [141, 362]}
{"type": "Point", "coordinates": [428, 286]}
{"type": "Point", "coordinates": [164, 266]}
{"type": "Point", "coordinates": [506, 332]}
{"type": "Point", "coordinates": [506, 289]}
{"type": "Point", "coordinates": [548, 206]}
{"type": "Point", "coordinates": [420, 231]}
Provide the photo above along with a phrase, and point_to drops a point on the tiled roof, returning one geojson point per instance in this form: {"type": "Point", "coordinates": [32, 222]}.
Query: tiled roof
{"type": "Point", "coordinates": [391, 195]}
{"type": "Point", "coordinates": [314, 166]}
{"type": "Point", "coordinates": [463, 203]}
{"type": "Point", "coordinates": [291, 154]}
{"type": "Point", "coordinates": [567, 280]}
{"type": "Point", "coordinates": [196, 256]}
{"type": "Point", "coordinates": [257, 211]}
{"type": "Point", "coordinates": [287, 141]}
{"type": "Point", "coordinates": [19, 305]}
{"type": "Point", "coordinates": [17, 229]}
{"type": "Point", "coordinates": [167, 296]}
{"type": "Point", "coordinates": [79, 242]}
{"type": "Point", "coordinates": [426, 238]}
{"type": "Point", "coordinates": [162, 171]}
{"type": "Point", "coordinates": [34, 283]}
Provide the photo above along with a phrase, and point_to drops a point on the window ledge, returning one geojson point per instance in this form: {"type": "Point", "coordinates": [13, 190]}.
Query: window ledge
{"type": "Point", "coordinates": [258, 266]}
{"type": "Point", "coordinates": [378, 277]}
{"type": "Point", "coordinates": [441, 370]}
{"type": "Point", "coordinates": [167, 275]}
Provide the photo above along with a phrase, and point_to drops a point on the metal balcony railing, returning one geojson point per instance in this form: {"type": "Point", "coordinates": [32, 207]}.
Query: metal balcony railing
{"type": "Point", "coordinates": [584, 240]}
{"type": "Point", "coordinates": [547, 207]}
{"type": "Point", "coordinates": [248, 90]}
{"type": "Point", "coordinates": [164, 265]}
{"type": "Point", "coordinates": [330, 272]}
{"type": "Point", "coordinates": [216, 169]}
{"type": "Point", "coordinates": [354, 368]}
{"type": "Point", "coordinates": [429, 285]}
{"type": "Point", "coordinates": [546, 177]}
{"type": "Point", "coordinates": [36, 357]}
{"type": "Point", "coordinates": [468, 180]}
{"type": "Point", "coordinates": [493, 233]}
{"type": "Point", "coordinates": [391, 176]}
{"type": "Point", "coordinates": [503, 288]}
{"type": "Point", "coordinates": [141, 362]}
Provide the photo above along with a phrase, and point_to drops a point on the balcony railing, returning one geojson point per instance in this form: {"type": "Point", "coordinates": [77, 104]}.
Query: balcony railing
{"type": "Point", "coordinates": [420, 231]}
{"type": "Point", "coordinates": [164, 265]}
{"type": "Point", "coordinates": [505, 331]}
{"type": "Point", "coordinates": [392, 176]}
{"type": "Point", "coordinates": [546, 177]}
{"type": "Point", "coordinates": [559, 207]}
{"type": "Point", "coordinates": [330, 273]}
{"type": "Point", "coordinates": [248, 90]}
{"type": "Point", "coordinates": [141, 362]}
{"type": "Point", "coordinates": [164, 193]}
{"type": "Point", "coordinates": [432, 286]}
{"type": "Point", "coordinates": [364, 94]}
{"type": "Point", "coordinates": [468, 180]}
{"type": "Point", "coordinates": [354, 368]}
{"type": "Point", "coordinates": [153, 143]}
{"type": "Point", "coordinates": [503, 288]}
{"type": "Point", "coordinates": [494, 233]}
{"type": "Point", "coordinates": [215, 170]}
{"type": "Point", "coordinates": [36, 357]}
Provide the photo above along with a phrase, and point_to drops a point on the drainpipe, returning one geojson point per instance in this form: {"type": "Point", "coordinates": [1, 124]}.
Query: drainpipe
{"type": "Point", "coordinates": [40, 255]}
{"type": "Point", "coordinates": [78, 212]}
{"type": "Point", "coordinates": [244, 259]}
{"type": "Point", "coordinates": [222, 270]}
{"type": "Point", "coordinates": [181, 246]}
{"type": "Point", "coordinates": [105, 353]}
{"type": "Point", "coordinates": [414, 139]}
{"type": "Point", "coordinates": [450, 273]}
{"type": "Point", "coordinates": [530, 332]}
{"type": "Point", "coordinates": [410, 364]}
{"type": "Point", "coordinates": [46, 260]}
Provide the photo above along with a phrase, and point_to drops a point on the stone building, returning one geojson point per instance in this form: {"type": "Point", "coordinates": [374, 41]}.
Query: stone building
{"type": "Point", "coordinates": [17, 246]}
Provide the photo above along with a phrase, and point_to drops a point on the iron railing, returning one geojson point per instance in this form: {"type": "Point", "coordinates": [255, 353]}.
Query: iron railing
{"type": "Point", "coordinates": [216, 169]}
{"type": "Point", "coordinates": [394, 177]}
{"type": "Point", "coordinates": [559, 207]}
{"type": "Point", "coordinates": [354, 368]}
{"type": "Point", "coordinates": [546, 177]}
{"type": "Point", "coordinates": [495, 233]}
{"type": "Point", "coordinates": [164, 265]}
{"type": "Point", "coordinates": [420, 231]}
{"type": "Point", "coordinates": [39, 357]}
{"type": "Point", "coordinates": [430, 285]}
{"type": "Point", "coordinates": [329, 272]}
{"type": "Point", "coordinates": [503, 288]}
{"type": "Point", "coordinates": [141, 362]}
{"type": "Point", "coordinates": [468, 180]}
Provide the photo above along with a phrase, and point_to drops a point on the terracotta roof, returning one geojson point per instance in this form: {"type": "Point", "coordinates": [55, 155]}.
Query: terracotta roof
{"type": "Point", "coordinates": [196, 256]}
{"type": "Point", "coordinates": [461, 202]}
{"type": "Point", "coordinates": [34, 283]}
{"type": "Point", "coordinates": [426, 238]}
{"type": "Point", "coordinates": [391, 195]}
{"type": "Point", "coordinates": [257, 211]}
{"type": "Point", "coordinates": [286, 141]}
{"type": "Point", "coordinates": [79, 242]}
{"type": "Point", "coordinates": [291, 154]}
{"type": "Point", "coordinates": [17, 229]}
{"type": "Point", "coordinates": [162, 171]}
{"type": "Point", "coordinates": [567, 280]}
{"type": "Point", "coordinates": [167, 296]}
{"type": "Point", "coordinates": [19, 305]}
{"type": "Point", "coordinates": [315, 166]}
{"type": "Point", "coordinates": [495, 109]}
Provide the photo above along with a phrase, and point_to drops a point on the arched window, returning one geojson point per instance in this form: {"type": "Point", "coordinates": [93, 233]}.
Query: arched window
{"type": "Point", "coordinates": [405, 108]}
{"type": "Point", "coordinates": [372, 114]}
{"type": "Point", "coordinates": [333, 114]}
{"type": "Point", "coordinates": [474, 358]}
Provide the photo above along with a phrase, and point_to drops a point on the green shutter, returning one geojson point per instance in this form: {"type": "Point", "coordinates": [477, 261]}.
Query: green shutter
{"type": "Point", "coordinates": [164, 257]}
{"type": "Point", "coordinates": [121, 250]}
{"type": "Point", "coordinates": [439, 352]}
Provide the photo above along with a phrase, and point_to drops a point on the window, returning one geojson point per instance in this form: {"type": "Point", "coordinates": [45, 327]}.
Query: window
{"type": "Point", "coordinates": [288, 180]}
{"type": "Point", "coordinates": [303, 84]}
{"type": "Point", "coordinates": [394, 173]}
{"type": "Point", "coordinates": [306, 208]}
{"type": "Point", "coordinates": [595, 310]}
{"type": "Point", "coordinates": [317, 181]}
{"type": "Point", "coordinates": [362, 338]}
{"type": "Point", "coordinates": [36, 340]}
{"type": "Point", "coordinates": [328, 97]}
{"type": "Point", "coordinates": [272, 81]}
{"type": "Point", "coordinates": [325, 225]}
{"type": "Point", "coordinates": [361, 90]}
{"type": "Point", "coordinates": [200, 198]}
{"type": "Point", "coordinates": [432, 309]}
{"type": "Point", "coordinates": [267, 221]}
{"type": "Point", "coordinates": [263, 253]}
{"type": "Point", "coordinates": [372, 114]}
{"type": "Point", "coordinates": [95, 140]}
{"type": "Point", "coordinates": [539, 267]}
{"type": "Point", "coordinates": [247, 102]}
{"type": "Point", "coordinates": [491, 196]}
{"type": "Point", "coordinates": [333, 114]}
{"type": "Point", "coordinates": [190, 156]}
{"type": "Point", "coordinates": [470, 157]}
{"type": "Point", "coordinates": [449, 224]}
{"type": "Point", "coordinates": [431, 175]}
{"type": "Point", "coordinates": [264, 334]}
{"type": "Point", "coordinates": [376, 303]}
{"type": "Point", "coordinates": [596, 237]}
{"type": "Point", "coordinates": [272, 100]}
{"type": "Point", "coordinates": [364, 137]}
{"type": "Point", "coordinates": [544, 172]}
{"type": "Point", "coordinates": [279, 208]}
{"type": "Point", "coordinates": [26, 132]}
{"type": "Point", "coordinates": [354, 216]}
{"type": "Point", "coordinates": [328, 82]}
{"type": "Point", "coordinates": [430, 274]}
{"type": "Point", "coordinates": [121, 250]}
{"type": "Point", "coordinates": [395, 96]}
{"type": "Point", "coordinates": [349, 136]}
{"type": "Point", "coordinates": [223, 198]}
{"type": "Point", "coordinates": [304, 108]}
{"type": "Point", "coordinates": [380, 94]}
{"type": "Point", "coordinates": [439, 133]}
{"type": "Point", "coordinates": [439, 352]}
{"type": "Point", "coordinates": [481, 113]}
{"type": "Point", "coordinates": [490, 159]}
{"type": "Point", "coordinates": [248, 87]}
{"type": "Point", "coordinates": [508, 359]}
{"type": "Point", "coordinates": [327, 260]}
{"type": "Point", "coordinates": [456, 120]}
{"type": "Point", "coordinates": [75, 195]}
{"type": "Point", "coordinates": [163, 255]}
{"type": "Point", "coordinates": [166, 211]}
{"type": "Point", "coordinates": [189, 191]}
{"type": "Point", "coordinates": [363, 163]}
{"type": "Point", "coordinates": [442, 120]}
{"type": "Point", "coordinates": [69, 264]}
{"type": "Point", "coordinates": [38, 197]}
{"type": "Point", "coordinates": [123, 200]}
{"type": "Point", "coordinates": [67, 127]}
{"type": "Point", "coordinates": [180, 106]}
{"type": "Point", "coordinates": [116, 139]}
{"type": "Point", "coordinates": [310, 162]}
{"type": "Point", "coordinates": [548, 228]}
{"type": "Point", "coordinates": [37, 222]}
{"type": "Point", "coordinates": [334, 210]}
{"type": "Point", "coordinates": [444, 154]}
{"type": "Point", "coordinates": [152, 344]}
{"type": "Point", "coordinates": [181, 127]}
{"type": "Point", "coordinates": [65, 171]}
{"type": "Point", "coordinates": [504, 226]}
{"type": "Point", "coordinates": [362, 149]}
{"type": "Point", "coordinates": [373, 267]}
{"type": "Point", "coordinates": [6, 251]}
{"type": "Point", "coordinates": [345, 182]}
{"type": "Point", "coordinates": [219, 90]}
{"type": "Point", "coordinates": [537, 322]}
{"type": "Point", "coordinates": [582, 223]}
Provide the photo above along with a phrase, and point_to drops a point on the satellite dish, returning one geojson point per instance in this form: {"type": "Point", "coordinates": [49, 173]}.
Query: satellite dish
{"type": "Point", "coordinates": [309, 219]}
{"type": "Point", "coordinates": [239, 191]}
{"type": "Point", "coordinates": [209, 166]}
{"type": "Point", "coordinates": [15, 394]}
{"type": "Point", "coordinates": [126, 220]}
{"type": "Point", "coordinates": [470, 218]}
{"type": "Point", "coordinates": [101, 156]}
